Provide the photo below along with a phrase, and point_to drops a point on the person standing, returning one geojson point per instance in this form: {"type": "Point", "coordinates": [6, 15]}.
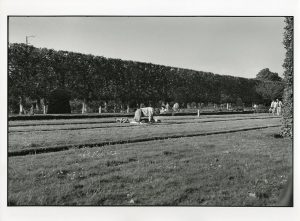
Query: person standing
{"type": "Point", "coordinates": [271, 110]}
{"type": "Point", "coordinates": [275, 107]}
{"type": "Point", "coordinates": [279, 105]}
{"type": "Point", "coordinates": [255, 107]}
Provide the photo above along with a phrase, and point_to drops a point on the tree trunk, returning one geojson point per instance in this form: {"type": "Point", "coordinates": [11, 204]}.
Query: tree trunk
{"type": "Point", "coordinates": [105, 106]}
{"type": "Point", "coordinates": [122, 108]}
{"type": "Point", "coordinates": [44, 109]}
{"type": "Point", "coordinates": [100, 109]}
{"type": "Point", "coordinates": [43, 105]}
{"type": "Point", "coordinates": [31, 110]}
{"type": "Point", "coordinates": [115, 107]}
{"type": "Point", "coordinates": [21, 110]}
{"type": "Point", "coordinates": [37, 108]}
{"type": "Point", "coordinates": [84, 107]}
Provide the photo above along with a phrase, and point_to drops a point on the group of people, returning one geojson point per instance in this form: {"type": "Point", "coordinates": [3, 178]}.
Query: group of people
{"type": "Point", "coordinates": [276, 107]}
{"type": "Point", "coordinates": [150, 112]}
{"type": "Point", "coordinates": [165, 108]}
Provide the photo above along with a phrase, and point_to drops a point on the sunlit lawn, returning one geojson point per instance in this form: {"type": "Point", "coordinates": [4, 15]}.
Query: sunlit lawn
{"type": "Point", "coordinates": [236, 169]}
{"type": "Point", "coordinates": [120, 132]}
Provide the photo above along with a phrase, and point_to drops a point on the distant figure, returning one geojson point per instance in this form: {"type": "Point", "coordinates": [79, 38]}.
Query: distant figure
{"type": "Point", "coordinates": [163, 110]}
{"type": "Point", "coordinates": [167, 107]}
{"type": "Point", "coordinates": [279, 105]}
{"type": "Point", "coordinates": [144, 112]}
{"type": "Point", "coordinates": [175, 107]}
{"type": "Point", "coordinates": [275, 107]}
{"type": "Point", "coordinates": [272, 107]}
{"type": "Point", "coordinates": [255, 107]}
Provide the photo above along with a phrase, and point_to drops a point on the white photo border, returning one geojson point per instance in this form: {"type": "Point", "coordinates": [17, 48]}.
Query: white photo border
{"type": "Point", "coordinates": [151, 8]}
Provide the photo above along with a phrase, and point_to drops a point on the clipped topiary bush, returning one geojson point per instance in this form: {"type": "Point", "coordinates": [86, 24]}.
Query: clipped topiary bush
{"type": "Point", "coordinates": [59, 102]}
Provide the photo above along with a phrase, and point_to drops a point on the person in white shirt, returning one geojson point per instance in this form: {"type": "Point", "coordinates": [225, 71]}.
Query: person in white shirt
{"type": "Point", "coordinates": [255, 107]}
{"type": "Point", "coordinates": [275, 107]}
{"type": "Point", "coordinates": [279, 105]}
{"type": "Point", "coordinates": [272, 108]}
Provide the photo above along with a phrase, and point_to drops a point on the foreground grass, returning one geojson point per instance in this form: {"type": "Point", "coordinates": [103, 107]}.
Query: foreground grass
{"type": "Point", "coordinates": [37, 139]}
{"type": "Point", "coordinates": [238, 169]}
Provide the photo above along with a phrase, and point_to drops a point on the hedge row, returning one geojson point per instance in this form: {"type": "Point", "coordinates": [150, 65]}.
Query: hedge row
{"type": "Point", "coordinates": [34, 72]}
{"type": "Point", "coordinates": [287, 129]}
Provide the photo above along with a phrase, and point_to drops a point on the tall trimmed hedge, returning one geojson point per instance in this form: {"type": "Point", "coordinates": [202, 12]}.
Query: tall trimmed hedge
{"type": "Point", "coordinates": [287, 129]}
{"type": "Point", "coordinates": [35, 72]}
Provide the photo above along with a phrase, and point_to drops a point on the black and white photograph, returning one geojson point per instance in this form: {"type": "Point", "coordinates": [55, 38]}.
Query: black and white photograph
{"type": "Point", "coordinates": [141, 111]}
{"type": "Point", "coordinates": [193, 111]}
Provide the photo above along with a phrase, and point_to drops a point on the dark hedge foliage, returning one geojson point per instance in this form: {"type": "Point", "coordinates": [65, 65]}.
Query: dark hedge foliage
{"type": "Point", "coordinates": [35, 72]}
{"type": "Point", "coordinates": [59, 102]}
{"type": "Point", "coordinates": [287, 128]}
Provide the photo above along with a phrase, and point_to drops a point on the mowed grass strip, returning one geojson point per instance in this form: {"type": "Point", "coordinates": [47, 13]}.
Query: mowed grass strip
{"type": "Point", "coordinates": [22, 141]}
{"type": "Point", "coordinates": [26, 123]}
{"type": "Point", "coordinates": [239, 169]}
{"type": "Point", "coordinates": [57, 148]}
{"type": "Point", "coordinates": [112, 123]}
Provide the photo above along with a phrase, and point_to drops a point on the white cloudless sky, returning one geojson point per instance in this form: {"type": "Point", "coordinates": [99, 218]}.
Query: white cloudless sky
{"type": "Point", "coordinates": [238, 46]}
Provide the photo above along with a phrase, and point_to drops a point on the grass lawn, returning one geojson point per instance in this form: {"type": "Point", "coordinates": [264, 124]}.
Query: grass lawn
{"type": "Point", "coordinates": [112, 119]}
{"type": "Point", "coordinates": [237, 169]}
{"type": "Point", "coordinates": [116, 132]}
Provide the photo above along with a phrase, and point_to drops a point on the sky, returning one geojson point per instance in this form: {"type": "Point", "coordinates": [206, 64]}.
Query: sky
{"type": "Point", "coordinates": [237, 46]}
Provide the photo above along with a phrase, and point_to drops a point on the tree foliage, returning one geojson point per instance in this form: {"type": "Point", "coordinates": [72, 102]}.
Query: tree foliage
{"type": "Point", "coordinates": [35, 72]}
{"type": "Point", "coordinates": [288, 42]}
{"type": "Point", "coordinates": [270, 85]}
{"type": "Point", "coordinates": [270, 90]}
{"type": "Point", "coordinates": [267, 75]}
